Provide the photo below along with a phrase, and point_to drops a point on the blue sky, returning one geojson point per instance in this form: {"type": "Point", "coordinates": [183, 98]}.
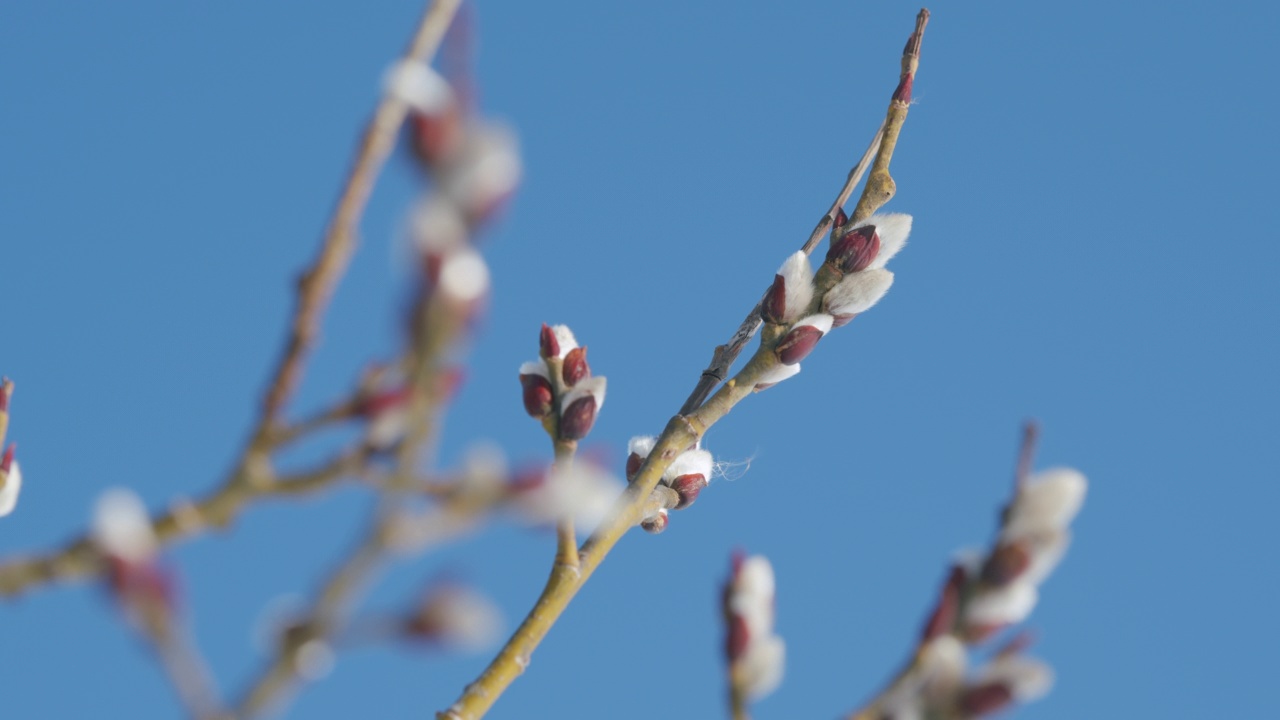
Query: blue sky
{"type": "Point", "coordinates": [1091, 248]}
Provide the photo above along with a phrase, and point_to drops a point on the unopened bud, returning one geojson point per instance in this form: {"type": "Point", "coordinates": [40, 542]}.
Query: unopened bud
{"type": "Point", "coordinates": [638, 450]}
{"type": "Point", "coordinates": [776, 375]}
{"type": "Point", "coordinates": [656, 523]}
{"type": "Point", "coordinates": [1006, 563]}
{"type": "Point", "coordinates": [688, 487]}
{"type": "Point", "coordinates": [855, 250]}
{"type": "Point", "coordinates": [579, 406]}
{"type": "Point", "coordinates": [839, 222]}
{"type": "Point", "coordinates": [537, 389]}
{"type": "Point", "coordinates": [984, 699]}
{"type": "Point", "coordinates": [10, 481]}
{"type": "Point", "coordinates": [575, 367]}
{"type": "Point", "coordinates": [775, 301]}
{"type": "Point", "coordinates": [548, 346]}
{"type": "Point", "coordinates": [791, 292]}
{"type": "Point", "coordinates": [943, 619]}
{"type": "Point", "coordinates": [800, 341]}
{"type": "Point", "coordinates": [903, 93]}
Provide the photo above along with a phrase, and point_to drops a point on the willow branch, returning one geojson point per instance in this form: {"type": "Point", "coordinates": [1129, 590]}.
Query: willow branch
{"type": "Point", "coordinates": [723, 357]}
{"type": "Point", "coordinates": [250, 480]}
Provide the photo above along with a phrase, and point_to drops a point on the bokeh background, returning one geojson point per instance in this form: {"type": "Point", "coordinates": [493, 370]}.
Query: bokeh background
{"type": "Point", "coordinates": [1093, 187]}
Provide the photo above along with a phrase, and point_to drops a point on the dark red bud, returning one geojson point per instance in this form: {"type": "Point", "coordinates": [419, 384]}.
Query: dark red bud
{"type": "Point", "coordinates": [379, 403]}
{"type": "Point", "coordinates": [434, 137]}
{"type": "Point", "coordinates": [903, 93]}
{"type": "Point", "coordinates": [974, 634]}
{"type": "Point", "coordinates": [656, 524]}
{"type": "Point", "coordinates": [774, 306]}
{"type": "Point", "coordinates": [855, 250]}
{"type": "Point", "coordinates": [575, 366]}
{"type": "Point", "coordinates": [798, 343]}
{"type": "Point", "coordinates": [6, 390]}
{"type": "Point", "coordinates": [634, 461]}
{"type": "Point", "coordinates": [688, 487]}
{"type": "Point", "coordinates": [841, 219]}
{"type": "Point", "coordinates": [6, 462]}
{"type": "Point", "coordinates": [842, 320]}
{"type": "Point", "coordinates": [984, 699]}
{"type": "Point", "coordinates": [1006, 563]}
{"type": "Point", "coordinates": [738, 637]}
{"type": "Point", "coordinates": [943, 619]}
{"type": "Point", "coordinates": [142, 584]}
{"type": "Point", "coordinates": [537, 395]}
{"type": "Point", "coordinates": [577, 419]}
{"type": "Point", "coordinates": [548, 345]}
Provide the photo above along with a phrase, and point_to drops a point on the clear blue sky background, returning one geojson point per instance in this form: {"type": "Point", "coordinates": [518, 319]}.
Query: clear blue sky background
{"type": "Point", "coordinates": [1092, 247]}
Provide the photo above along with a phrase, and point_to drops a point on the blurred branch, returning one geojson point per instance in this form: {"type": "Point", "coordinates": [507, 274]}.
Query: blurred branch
{"type": "Point", "coordinates": [251, 477]}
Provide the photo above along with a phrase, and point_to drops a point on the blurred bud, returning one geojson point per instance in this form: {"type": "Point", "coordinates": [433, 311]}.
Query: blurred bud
{"type": "Point", "coordinates": [856, 293]}
{"type": "Point", "coordinates": [756, 655]}
{"type": "Point", "coordinates": [638, 449]}
{"type": "Point", "coordinates": [984, 699]}
{"type": "Point", "coordinates": [792, 291]}
{"type": "Point", "coordinates": [388, 415]}
{"type": "Point", "coordinates": [583, 491]}
{"type": "Point", "coordinates": [855, 250]}
{"type": "Point", "coordinates": [776, 375]}
{"type": "Point", "coordinates": [575, 368]}
{"type": "Point", "coordinates": [456, 616]}
{"type": "Point", "coordinates": [10, 480]}
{"type": "Point", "coordinates": [485, 170]}
{"type": "Point", "coordinates": [657, 522]}
{"type": "Point", "coordinates": [1006, 563]}
{"type": "Point", "coordinates": [943, 618]}
{"type": "Point", "coordinates": [579, 406]}
{"type": "Point", "coordinates": [464, 276]}
{"type": "Point", "coordinates": [801, 339]}
{"type": "Point", "coordinates": [1046, 502]}
{"type": "Point", "coordinates": [122, 527]}
{"type": "Point", "coordinates": [1008, 678]}
{"type": "Point", "coordinates": [6, 393]}
{"type": "Point", "coordinates": [537, 389]}
{"type": "Point", "coordinates": [993, 608]}
{"type": "Point", "coordinates": [437, 228]}
{"type": "Point", "coordinates": [548, 344]}
{"type": "Point", "coordinates": [415, 84]}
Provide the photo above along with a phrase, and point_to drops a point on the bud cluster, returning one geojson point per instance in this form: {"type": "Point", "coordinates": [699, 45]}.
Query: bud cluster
{"type": "Point", "coordinates": [985, 593]}
{"type": "Point", "coordinates": [943, 686]}
{"type": "Point", "coordinates": [756, 655]}
{"type": "Point", "coordinates": [857, 256]}
{"type": "Point", "coordinates": [682, 482]}
{"type": "Point", "coordinates": [10, 473]}
{"type": "Point", "coordinates": [558, 388]}
{"type": "Point", "coordinates": [474, 165]}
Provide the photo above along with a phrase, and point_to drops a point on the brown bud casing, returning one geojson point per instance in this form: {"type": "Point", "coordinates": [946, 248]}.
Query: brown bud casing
{"type": "Point", "coordinates": [1006, 563]}
{"type": "Point", "coordinates": [577, 419]}
{"type": "Point", "coordinates": [548, 346]}
{"type": "Point", "coordinates": [984, 699]}
{"type": "Point", "coordinates": [688, 487]}
{"type": "Point", "coordinates": [774, 306]}
{"type": "Point", "coordinates": [855, 250]}
{"type": "Point", "coordinates": [656, 524]}
{"type": "Point", "coordinates": [537, 395]}
{"type": "Point", "coordinates": [798, 343]}
{"type": "Point", "coordinates": [943, 619]}
{"type": "Point", "coordinates": [634, 462]}
{"type": "Point", "coordinates": [575, 368]}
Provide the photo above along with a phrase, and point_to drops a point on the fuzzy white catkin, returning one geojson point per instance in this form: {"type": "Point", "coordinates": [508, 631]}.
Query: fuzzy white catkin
{"type": "Point", "coordinates": [464, 276]}
{"type": "Point", "coordinates": [820, 322]}
{"type": "Point", "coordinates": [1002, 606]}
{"type": "Point", "coordinates": [858, 292]}
{"type": "Point", "coordinates": [641, 445]}
{"type": "Point", "coordinates": [1029, 679]}
{"type": "Point", "coordinates": [121, 526]}
{"type": "Point", "coordinates": [1047, 502]}
{"type": "Point", "coordinates": [535, 367]}
{"type": "Point", "coordinates": [565, 339]}
{"type": "Point", "coordinates": [762, 666]}
{"type": "Point", "coordinates": [437, 226]}
{"type": "Point", "coordinates": [593, 386]}
{"type": "Point", "coordinates": [798, 276]}
{"type": "Point", "coordinates": [415, 84]}
{"type": "Point", "coordinates": [12, 486]}
{"type": "Point", "coordinates": [893, 229]}
{"type": "Point", "coordinates": [488, 168]}
{"type": "Point", "coordinates": [778, 373]}
{"type": "Point", "coordinates": [690, 462]}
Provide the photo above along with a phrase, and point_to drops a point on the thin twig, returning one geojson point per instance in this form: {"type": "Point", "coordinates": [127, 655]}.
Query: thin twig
{"type": "Point", "coordinates": [317, 283]}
